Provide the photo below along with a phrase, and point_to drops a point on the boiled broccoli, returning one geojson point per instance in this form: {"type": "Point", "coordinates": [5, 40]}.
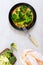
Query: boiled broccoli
{"type": "Point", "coordinates": [14, 17]}
{"type": "Point", "coordinates": [23, 8]}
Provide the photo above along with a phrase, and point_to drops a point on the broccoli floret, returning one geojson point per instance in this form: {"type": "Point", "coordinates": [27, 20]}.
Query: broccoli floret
{"type": "Point", "coordinates": [27, 19]}
{"type": "Point", "coordinates": [21, 14]}
{"type": "Point", "coordinates": [28, 13]}
{"type": "Point", "coordinates": [14, 17]}
{"type": "Point", "coordinates": [23, 8]}
{"type": "Point", "coordinates": [12, 59]}
{"type": "Point", "coordinates": [17, 12]}
{"type": "Point", "coordinates": [13, 45]}
{"type": "Point", "coordinates": [7, 53]}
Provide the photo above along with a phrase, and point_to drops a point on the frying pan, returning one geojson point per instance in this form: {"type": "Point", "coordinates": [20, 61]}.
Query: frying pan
{"type": "Point", "coordinates": [25, 29]}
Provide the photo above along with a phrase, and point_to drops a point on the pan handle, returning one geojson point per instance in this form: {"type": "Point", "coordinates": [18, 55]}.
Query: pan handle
{"type": "Point", "coordinates": [33, 40]}
{"type": "Point", "coordinates": [30, 37]}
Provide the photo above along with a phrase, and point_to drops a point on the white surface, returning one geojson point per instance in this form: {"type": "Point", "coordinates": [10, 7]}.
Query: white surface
{"type": "Point", "coordinates": [8, 34]}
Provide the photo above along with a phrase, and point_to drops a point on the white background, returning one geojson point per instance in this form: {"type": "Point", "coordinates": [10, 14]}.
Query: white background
{"type": "Point", "coordinates": [8, 34]}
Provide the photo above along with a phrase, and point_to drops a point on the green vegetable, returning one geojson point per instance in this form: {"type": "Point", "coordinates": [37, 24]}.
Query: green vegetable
{"type": "Point", "coordinates": [8, 54]}
{"type": "Point", "coordinates": [13, 45]}
{"type": "Point", "coordinates": [27, 19]}
{"type": "Point", "coordinates": [21, 14]}
{"type": "Point", "coordinates": [23, 8]}
{"type": "Point", "coordinates": [12, 60]}
{"type": "Point", "coordinates": [17, 12]}
{"type": "Point", "coordinates": [14, 17]}
{"type": "Point", "coordinates": [28, 13]}
{"type": "Point", "coordinates": [20, 20]}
